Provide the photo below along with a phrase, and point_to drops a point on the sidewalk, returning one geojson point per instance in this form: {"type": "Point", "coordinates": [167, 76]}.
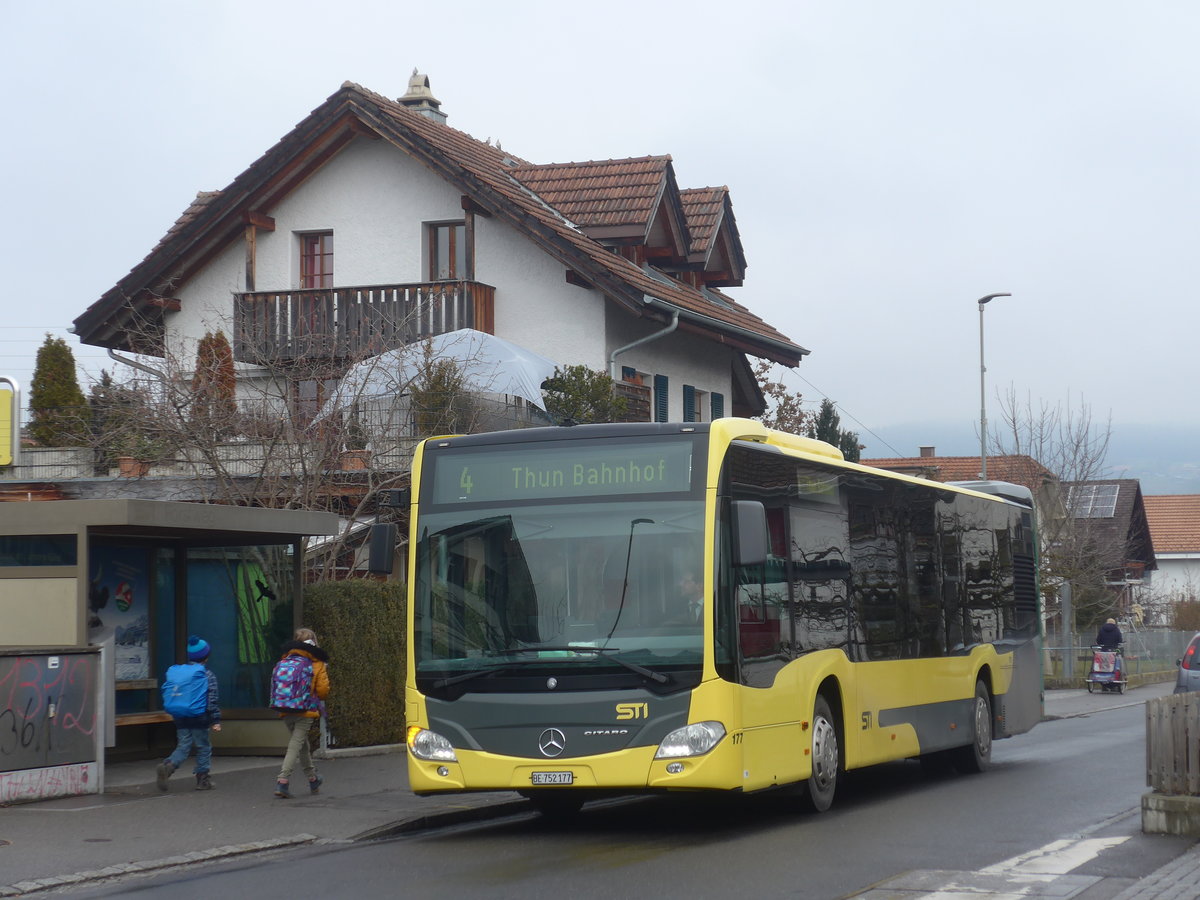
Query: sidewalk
{"type": "Point", "coordinates": [134, 827]}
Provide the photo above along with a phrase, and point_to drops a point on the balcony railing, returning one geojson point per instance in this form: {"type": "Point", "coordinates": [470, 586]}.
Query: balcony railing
{"type": "Point", "coordinates": [354, 322]}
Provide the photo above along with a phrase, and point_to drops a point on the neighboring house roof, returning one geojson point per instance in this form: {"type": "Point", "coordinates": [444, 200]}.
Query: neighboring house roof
{"type": "Point", "coordinates": [487, 177]}
{"type": "Point", "coordinates": [1016, 469]}
{"type": "Point", "coordinates": [1114, 509]}
{"type": "Point", "coordinates": [1174, 522]}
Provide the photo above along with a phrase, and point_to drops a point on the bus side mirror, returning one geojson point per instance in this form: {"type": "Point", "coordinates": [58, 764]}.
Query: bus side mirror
{"type": "Point", "coordinates": [749, 533]}
{"type": "Point", "coordinates": [381, 548]}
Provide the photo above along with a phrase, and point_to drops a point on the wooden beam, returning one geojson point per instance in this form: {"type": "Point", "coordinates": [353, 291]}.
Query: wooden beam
{"type": "Point", "coordinates": [361, 129]}
{"type": "Point", "coordinates": [576, 279]}
{"type": "Point", "coordinates": [471, 206]}
{"type": "Point", "coordinates": [258, 220]}
{"type": "Point", "coordinates": [251, 256]}
{"type": "Point", "coordinates": [168, 303]}
{"type": "Point", "coordinates": [660, 252]}
{"type": "Point", "coordinates": [469, 250]}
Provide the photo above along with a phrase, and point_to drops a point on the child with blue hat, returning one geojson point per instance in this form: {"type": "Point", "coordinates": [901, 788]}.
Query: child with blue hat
{"type": "Point", "coordinates": [190, 696]}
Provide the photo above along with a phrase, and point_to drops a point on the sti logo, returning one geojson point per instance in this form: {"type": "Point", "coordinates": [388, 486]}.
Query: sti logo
{"type": "Point", "coordinates": [627, 711]}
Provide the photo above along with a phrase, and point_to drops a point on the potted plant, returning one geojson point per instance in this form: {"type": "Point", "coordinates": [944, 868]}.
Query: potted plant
{"type": "Point", "coordinates": [355, 457]}
{"type": "Point", "coordinates": [135, 454]}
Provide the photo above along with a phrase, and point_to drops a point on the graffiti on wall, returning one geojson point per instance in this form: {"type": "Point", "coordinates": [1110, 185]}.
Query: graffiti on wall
{"type": "Point", "coordinates": [43, 784]}
{"type": "Point", "coordinates": [48, 714]}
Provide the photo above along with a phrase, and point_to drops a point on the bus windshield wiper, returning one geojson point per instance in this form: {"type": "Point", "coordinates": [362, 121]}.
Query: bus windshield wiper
{"type": "Point", "coordinates": [606, 652]}
{"type": "Point", "coordinates": [467, 676]}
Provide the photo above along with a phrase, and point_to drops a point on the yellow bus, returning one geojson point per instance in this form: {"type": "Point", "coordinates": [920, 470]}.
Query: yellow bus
{"type": "Point", "coordinates": [705, 607]}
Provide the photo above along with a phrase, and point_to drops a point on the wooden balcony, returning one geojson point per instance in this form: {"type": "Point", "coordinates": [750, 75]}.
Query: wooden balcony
{"type": "Point", "coordinates": [346, 323]}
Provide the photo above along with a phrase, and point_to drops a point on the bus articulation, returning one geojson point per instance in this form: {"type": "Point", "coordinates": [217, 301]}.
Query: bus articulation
{"type": "Point", "coordinates": [705, 607]}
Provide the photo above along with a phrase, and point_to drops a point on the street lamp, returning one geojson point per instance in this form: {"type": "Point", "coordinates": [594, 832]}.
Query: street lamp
{"type": "Point", "coordinates": [983, 301]}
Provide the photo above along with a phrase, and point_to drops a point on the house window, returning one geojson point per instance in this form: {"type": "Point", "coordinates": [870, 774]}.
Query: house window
{"type": "Point", "coordinates": [447, 251]}
{"type": "Point", "coordinates": [694, 402]}
{"type": "Point", "coordinates": [310, 395]}
{"type": "Point", "coordinates": [316, 260]}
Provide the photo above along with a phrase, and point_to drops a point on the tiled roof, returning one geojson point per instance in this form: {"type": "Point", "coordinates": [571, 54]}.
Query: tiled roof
{"type": "Point", "coordinates": [1016, 469]}
{"type": "Point", "coordinates": [1174, 522]}
{"type": "Point", "coordinates": [703, 208]}
{"type": "Point", "coordinates": [598, 193]}
{"type": "Point", "coordinates": [483, 172]}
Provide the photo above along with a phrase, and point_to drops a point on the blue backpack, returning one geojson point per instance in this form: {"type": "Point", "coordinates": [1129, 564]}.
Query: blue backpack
{"type": "Point", "coordinates": [291, 684]}
{"type": "Point", "coordinates": [185, 691]}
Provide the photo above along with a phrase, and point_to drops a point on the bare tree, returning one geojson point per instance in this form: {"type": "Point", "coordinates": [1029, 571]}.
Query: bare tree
{"type": "Point", "coordinates": [785, 409]}
{"type": "Point", "coordinates": [1085, 552]}
{"type": "Point", "coordinates": [279, 435]}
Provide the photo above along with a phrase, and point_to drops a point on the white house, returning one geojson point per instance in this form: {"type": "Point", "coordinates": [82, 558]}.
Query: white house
{"type": "Point", "coordinates": [1175, 527]}
{"type": "Point", "coordinates": [373, 223]}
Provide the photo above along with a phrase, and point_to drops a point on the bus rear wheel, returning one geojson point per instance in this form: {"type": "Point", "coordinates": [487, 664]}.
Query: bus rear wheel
{"type": "Point", "coordinates": [977, 756]}
{"type": "Point", "coordinates": [826, 760]}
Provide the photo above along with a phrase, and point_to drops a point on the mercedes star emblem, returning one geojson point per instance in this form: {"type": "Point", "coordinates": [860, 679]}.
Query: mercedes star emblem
{"type": "Point", "coordinates": [552, 742]}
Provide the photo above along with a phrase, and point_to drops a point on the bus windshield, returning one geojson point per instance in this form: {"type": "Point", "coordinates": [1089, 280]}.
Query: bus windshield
{"type": "Point", "coordinates": [586, 587]}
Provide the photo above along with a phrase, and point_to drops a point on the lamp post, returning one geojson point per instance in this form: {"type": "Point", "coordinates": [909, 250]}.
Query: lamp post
{"type": "Point", "coordinates": [983, 301]}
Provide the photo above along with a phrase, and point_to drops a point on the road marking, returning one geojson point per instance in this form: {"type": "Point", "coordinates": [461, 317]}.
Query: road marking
{"type": "Point", "coordinates": [1044, 872]}
{"type": "Point", "coordinates": [1056, 858]}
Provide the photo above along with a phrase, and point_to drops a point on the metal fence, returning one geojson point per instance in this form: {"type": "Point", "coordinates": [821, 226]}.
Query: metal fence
{"type": "Point", "coordinates": [1146, 650]}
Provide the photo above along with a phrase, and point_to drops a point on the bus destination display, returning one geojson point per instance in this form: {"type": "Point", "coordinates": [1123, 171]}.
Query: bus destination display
{"type": "Point", "coordinates": [570, 470]}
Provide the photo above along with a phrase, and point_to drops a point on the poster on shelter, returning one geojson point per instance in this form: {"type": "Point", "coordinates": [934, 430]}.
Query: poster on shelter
{"type": "Point", "coordinates": [119, 607]}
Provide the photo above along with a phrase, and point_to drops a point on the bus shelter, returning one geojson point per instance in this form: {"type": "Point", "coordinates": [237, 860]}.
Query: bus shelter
{"type": "Point", "coordinates": [97, 599]}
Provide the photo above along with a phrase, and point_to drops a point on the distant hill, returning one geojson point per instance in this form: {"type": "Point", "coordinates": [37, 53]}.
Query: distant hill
{"type": "Point", "coordinates": [1164, 458]}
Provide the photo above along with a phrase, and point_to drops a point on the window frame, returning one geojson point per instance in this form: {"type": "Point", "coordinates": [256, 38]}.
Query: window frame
{"type": "Point", "coordinates": [455, 231]}
{"type": "Point", "coordinates": [316, 260]}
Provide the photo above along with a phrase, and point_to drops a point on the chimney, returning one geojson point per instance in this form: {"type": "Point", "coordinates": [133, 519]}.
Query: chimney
{"type": "Point", "coordinates": [928, 452]}
{"type": "Point", "coordinates": [421, 100]}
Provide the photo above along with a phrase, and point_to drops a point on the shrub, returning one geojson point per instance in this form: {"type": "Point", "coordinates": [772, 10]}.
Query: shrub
{"type": "Point", "coordinates": [361, 626]}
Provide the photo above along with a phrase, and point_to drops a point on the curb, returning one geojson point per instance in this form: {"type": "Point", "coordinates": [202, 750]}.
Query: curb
{"type": "Point", "coordinates": [22, 888]}
{"type": "Point", "coordinates": [445, 819]}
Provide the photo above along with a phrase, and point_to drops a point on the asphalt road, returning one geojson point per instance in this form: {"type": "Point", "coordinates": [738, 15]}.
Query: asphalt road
{"type": "Point", "coordinates": [1072, 778]}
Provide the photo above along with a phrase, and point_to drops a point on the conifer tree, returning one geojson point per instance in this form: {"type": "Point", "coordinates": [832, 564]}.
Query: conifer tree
{"type": "Point", "coordinates": [214, 384]}
{"type": "Point", "coordinates": [57, 408]}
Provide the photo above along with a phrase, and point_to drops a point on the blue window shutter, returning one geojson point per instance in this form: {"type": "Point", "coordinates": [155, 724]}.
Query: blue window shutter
{"type": "Point", "coordinates": [689, 403]}
{"type": "Point", "coordinates": [660, 398]}
{"type": "Point", "coordinates": [718, 405]}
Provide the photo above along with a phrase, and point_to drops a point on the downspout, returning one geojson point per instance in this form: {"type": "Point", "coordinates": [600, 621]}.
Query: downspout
{"type": "Point", "coordinates": [137, 365]}
{"type": "Point", "coordinates": [612, 357]}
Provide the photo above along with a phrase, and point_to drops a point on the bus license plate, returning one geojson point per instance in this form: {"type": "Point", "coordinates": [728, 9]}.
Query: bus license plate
{"type": "Point", "coordinates": [553, 777]}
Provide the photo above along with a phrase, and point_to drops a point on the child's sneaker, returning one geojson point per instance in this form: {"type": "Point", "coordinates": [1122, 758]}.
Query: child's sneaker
{"type": "Point", "coordinates": [281, 790]}
{"type": "Point", "coordinates": [162, 773]}
{"type": "Point", "coordinates": [314, 784]}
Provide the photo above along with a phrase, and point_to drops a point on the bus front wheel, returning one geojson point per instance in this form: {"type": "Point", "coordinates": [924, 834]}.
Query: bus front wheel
{"type": "Point", "coordinates": [977, 756]}
{"type": "Point", "coordinates": [822, 783]}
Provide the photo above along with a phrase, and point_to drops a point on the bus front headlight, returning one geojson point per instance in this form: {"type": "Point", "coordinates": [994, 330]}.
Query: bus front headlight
{"type": "Point", "coordinates": [426, 744]}
{"type": "Point", "coordinates": [691, 740]}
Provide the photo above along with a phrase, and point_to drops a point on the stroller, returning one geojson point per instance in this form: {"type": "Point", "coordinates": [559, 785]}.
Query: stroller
{"type": "Point", "coordinates": [1108, 670]}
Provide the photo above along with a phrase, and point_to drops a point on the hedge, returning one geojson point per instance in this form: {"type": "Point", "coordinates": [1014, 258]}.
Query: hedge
{"type": "Point", "coordinates": [361, 625]}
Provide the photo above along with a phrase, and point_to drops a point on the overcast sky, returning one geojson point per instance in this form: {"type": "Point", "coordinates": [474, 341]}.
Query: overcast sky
{"type": "Point", "coordinates": [889, 161]}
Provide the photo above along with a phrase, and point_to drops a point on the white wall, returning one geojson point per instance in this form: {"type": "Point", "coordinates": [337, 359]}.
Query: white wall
{"type": "Point", "coordinates": [1177, 574]}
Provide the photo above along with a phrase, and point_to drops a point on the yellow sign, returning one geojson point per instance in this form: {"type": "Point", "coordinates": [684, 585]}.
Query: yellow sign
{"type": "Point", "coordinates": [8, 420]}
